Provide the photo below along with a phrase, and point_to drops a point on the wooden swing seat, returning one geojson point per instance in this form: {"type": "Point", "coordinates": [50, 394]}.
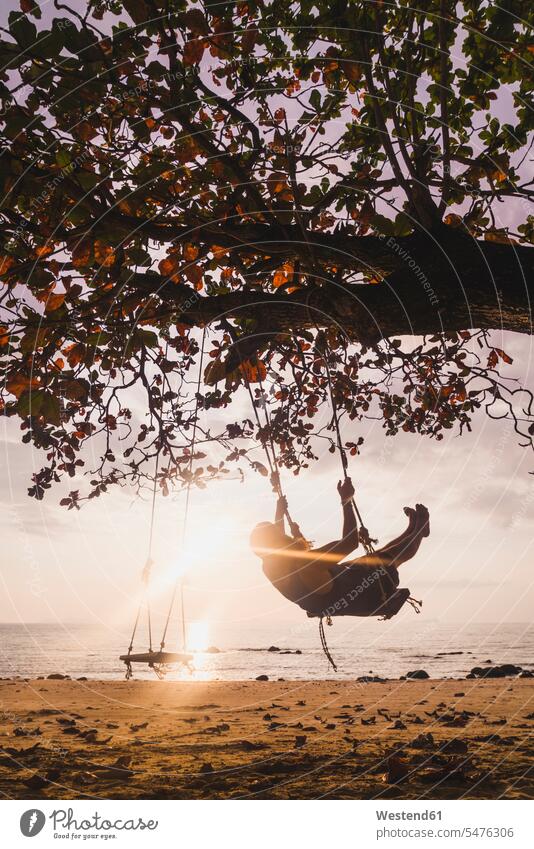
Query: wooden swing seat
{"type": "Point", "coordinates": [157, 657]}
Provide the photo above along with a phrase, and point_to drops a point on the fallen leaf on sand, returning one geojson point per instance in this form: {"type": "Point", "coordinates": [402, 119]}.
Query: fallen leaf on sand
{"type": "Point", "coordinates": [111, 772]}
{"type": "Point", "coordinates": [397, 770]}
{"type": "Point", "coordinates": [38, 782]}
{"type": "Point", "coordinates": [249, 746]}
{"type": "Point", "coordinates": [26, 732]}
{"type": "Point", "coordinates": [423, 741]}
{"type": "Point", "coordinates": [454, 747]}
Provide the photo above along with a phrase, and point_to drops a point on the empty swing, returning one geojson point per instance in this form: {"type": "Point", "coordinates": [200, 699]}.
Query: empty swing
{"type": "Point", "coordinates": [158, 659]}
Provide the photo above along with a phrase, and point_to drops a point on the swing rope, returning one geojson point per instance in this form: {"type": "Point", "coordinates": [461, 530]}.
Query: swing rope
{"type": "Point", "coordinates": [363, 532]}
{"type": "Point", "coordinates": [271, 458]}
{"type": "Point", "coordinates": [364, 535]}
{"type": "Point", "coordinates": [324, 644]}
{"type": "Point", "coordinates": [145, 575]}
{"type": "Point", "coordinates": [180, 581]}
{"type": "Point", "coordinates": [159, 668]}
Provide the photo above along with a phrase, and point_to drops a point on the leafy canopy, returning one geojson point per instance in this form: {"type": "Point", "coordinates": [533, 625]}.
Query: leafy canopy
{"type": "Point", "coordinates": [170, 167]}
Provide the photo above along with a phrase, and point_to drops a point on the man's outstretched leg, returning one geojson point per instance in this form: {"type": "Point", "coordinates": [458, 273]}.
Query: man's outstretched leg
{"type": "Point", "coordinates": [405, 546]}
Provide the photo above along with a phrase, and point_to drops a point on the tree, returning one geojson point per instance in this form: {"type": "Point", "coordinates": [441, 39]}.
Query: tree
{"type": "Point", "coordinates": [310, 188]}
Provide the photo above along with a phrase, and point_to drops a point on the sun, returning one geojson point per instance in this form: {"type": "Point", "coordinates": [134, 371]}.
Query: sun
{"type": "Point", "coordinates": [198, 635]}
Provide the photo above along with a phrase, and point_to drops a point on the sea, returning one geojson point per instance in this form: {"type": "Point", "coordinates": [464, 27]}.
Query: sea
{"type": "Point", "coordinates": [359, 648]}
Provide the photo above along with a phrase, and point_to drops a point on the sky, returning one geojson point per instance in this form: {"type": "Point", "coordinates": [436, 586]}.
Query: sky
{"type": "Point", "coordinates": [69, 566]}
{"type": "Point", "coordinates": [477, 564]}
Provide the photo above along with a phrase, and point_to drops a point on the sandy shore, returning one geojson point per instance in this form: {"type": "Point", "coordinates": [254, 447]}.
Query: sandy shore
{"type": "Point", "coordinates": [410, 739]}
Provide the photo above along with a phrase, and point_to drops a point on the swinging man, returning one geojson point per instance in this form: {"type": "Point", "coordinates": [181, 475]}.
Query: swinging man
{"type": "Point", "coordinates": [317, 580]}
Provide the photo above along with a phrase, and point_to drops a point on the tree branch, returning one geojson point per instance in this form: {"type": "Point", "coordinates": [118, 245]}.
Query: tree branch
{"type": "Point", "coordinates": [492, 288]}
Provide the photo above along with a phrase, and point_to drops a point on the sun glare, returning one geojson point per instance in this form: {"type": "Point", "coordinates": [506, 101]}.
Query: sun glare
{"type": "Point", "coordinates": [203, 543]}
{"type": "Point", "coordinates": [198, 635]}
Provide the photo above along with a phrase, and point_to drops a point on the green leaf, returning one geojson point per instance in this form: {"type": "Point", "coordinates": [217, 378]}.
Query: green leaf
{"type": "Point", "coordinates": [49, 44]}
{"type": "Point", "coordinates": [22, 29]}
{"type": "Point", "coordinates": [315, 99]}
{"type": "Point", "coordinates": [31, 403]}
{"type": "Point", "coordinates": [63, 158]}
{"type": "Point", "coordinates": [51, 409]}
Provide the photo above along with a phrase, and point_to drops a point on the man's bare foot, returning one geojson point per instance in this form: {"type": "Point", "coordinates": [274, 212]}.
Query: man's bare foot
{"type": "Point", "coordinates": [411, 513]}
{"type": "Point", "coordinates": [423, 519]}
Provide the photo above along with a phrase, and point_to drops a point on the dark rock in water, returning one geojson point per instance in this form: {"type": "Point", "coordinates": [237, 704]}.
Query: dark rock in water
{"type": "Point", "coordinates": [300, 740]}
{"type": "Point", "coordinates": [502, 671]}
{"type": "Point", "coordinates": [526, 673]}
{"type": "Point", "coordinates": [489, 660]}
{"type": "Point", "coordinates": [273, 648]}
{"type": "Point", "coordinates": [262, 678]}
{"type": "Point", "coordinates": [82, 678]}
{"type": "Point", "coordinates": [371, 679]}
{"type": "Point", "coordinates": [417, 674]}
{"type": "Point", "coordinates": [446, 653]}
{"type": "Point", "coordinates": [510, 668]}
{"type": "Point", "coordinates": [57, 676]}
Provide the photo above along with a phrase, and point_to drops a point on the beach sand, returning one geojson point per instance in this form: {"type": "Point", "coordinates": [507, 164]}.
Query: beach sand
{"type": "Point", "coordinates": [252, 739]}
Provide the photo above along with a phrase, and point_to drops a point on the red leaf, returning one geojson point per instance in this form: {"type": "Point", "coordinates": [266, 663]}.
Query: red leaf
{"type": "Point", "coordinates": [193, 52]}
{"type": "Point", "coordinates": [254, 373]}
